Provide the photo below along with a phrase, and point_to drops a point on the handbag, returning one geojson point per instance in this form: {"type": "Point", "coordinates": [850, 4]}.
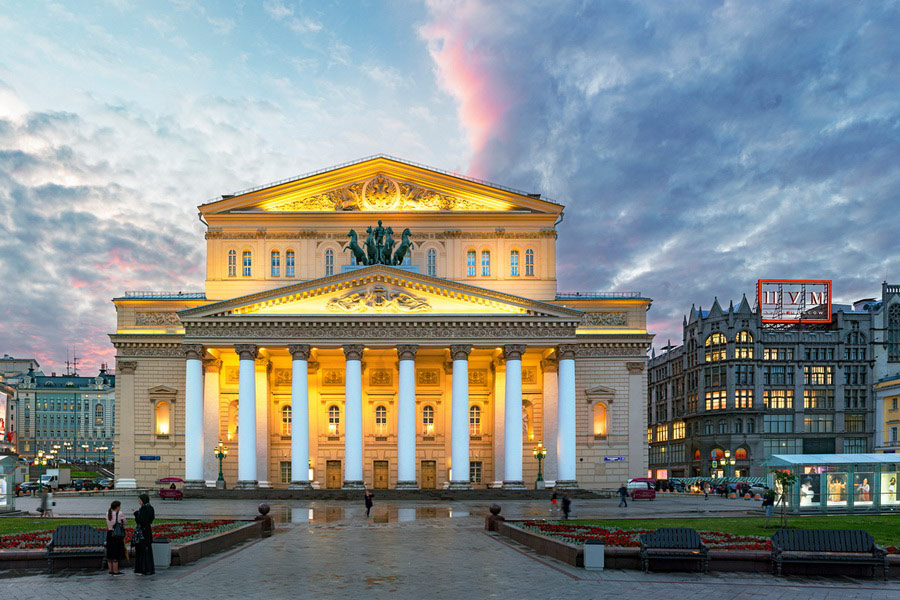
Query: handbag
{"type": "Point", "coordinates": [138, 535]}
{"type": "Point", "coordinates": [118, 530]}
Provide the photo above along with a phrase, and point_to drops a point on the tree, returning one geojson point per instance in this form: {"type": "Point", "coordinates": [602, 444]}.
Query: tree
{"type": "Point", "coordinates": [783, 482]}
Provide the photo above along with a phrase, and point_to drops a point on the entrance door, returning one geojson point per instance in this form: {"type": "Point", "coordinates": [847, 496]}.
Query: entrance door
{"type": "Point", "coordinates": [381, 475]}
{"type": "Point", "coordinates": [429, 475]}
{"type": "Point", "coordinates": [333, 475]}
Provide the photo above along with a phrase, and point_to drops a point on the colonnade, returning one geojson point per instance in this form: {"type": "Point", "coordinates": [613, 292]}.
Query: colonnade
{"type": "Point", "coordinates": [248, 477]}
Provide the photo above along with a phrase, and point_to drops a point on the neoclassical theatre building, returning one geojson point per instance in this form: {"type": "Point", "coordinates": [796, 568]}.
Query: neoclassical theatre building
{"type": "Point", "coordinates": [385, 324]}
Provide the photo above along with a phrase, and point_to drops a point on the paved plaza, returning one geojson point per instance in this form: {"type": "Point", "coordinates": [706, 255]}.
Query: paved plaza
{"type": "Point", "coordinates": [414, 550]}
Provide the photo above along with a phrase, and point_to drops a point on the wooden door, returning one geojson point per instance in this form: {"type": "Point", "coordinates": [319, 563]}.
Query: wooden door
{"type": "Point", "coordinates": [382, 476]}
{"type": "Point", "coordinates": [429, 475]}
{"type": "Point", "coordinates": [333, 475]}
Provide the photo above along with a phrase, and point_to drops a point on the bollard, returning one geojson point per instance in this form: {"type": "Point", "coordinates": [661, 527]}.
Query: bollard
{"type": "Point", "coordinates": [594, 554]}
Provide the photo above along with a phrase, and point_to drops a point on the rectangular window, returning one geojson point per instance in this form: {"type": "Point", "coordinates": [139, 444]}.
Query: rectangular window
{"type": "Point", "coordinates": [247, 263]}
{"type": "Point", "coordinates": [778, 375]}
{"type": "Point", "coordinates": [678, 430]}
{"type": "Point", "coordinates": [676, 453]}
{"type": "Point", "coordinates": [714, 377]}
{"type": "Point", "coordinates": [485, 263]}
{"type": "Point", "coordinates": [743, 398]}
{"type": "Point", "coordinates": [854, 423]}
{"type": "Point", "coordinates": [778, 423]}
{"type": "Point", "coordinates": [855, 398]}
{"type": "Point", "coordinates": [818, 423]}
{"type": "Point", "coordinates": [715, 400]}
{"type": "Point", "coordinates": [285, 471]}
{"type": "Point", "coordinates": [778, 399]}
{"type": "Point", "coordinates": [692, 403]}
{"type": "Point", "coordinates": [855, 375]}
{"type": "Point", "coordinates": [232, 263]}
{"type": "Point", "coordinates": [855, 446]}
{"type": "Point", "coordinates": [431, 263]}
{"type": "Point", "coordinates": [818, 375]}
{"type": "Point", "coordinates": [276, 264]}
{"type": "Point", "coordinates": [662, 433]}
{"type": "Point", "coordinates": [470, 263]}
{"type": "Point", "coordinates": [778, 354]}
{"type": "Point", "coordinates": [475, 469]}
{"type": "Point", "coordinates": [817, 354]}
{"type": "Point", "coordinates": [529, 263]}
{"type": "Point", "coordinates": [818, 399]}
{"type": "Point", "coordinates": [514, 263]}
{"type": "Point", "coordinates": [782, 446]}
{"type": "Point", "coordinates": [743, 375]}
{"type": "Point", "coordinates": [289, 264]}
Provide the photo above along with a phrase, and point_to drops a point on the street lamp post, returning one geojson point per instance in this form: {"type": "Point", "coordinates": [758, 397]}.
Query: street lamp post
{"type": "Point", "coordinates": [68, 447]}
{"type": "Point", "coordinates": [103, 450]}
{"type": "Point", "coordinates": [220, 452]}
{"type": "Point", "coordinates": [539, 454]}
{"type": "Point", "coordinates": [85, 447]}
{"type": "Point", "coordinates": [40, 461]}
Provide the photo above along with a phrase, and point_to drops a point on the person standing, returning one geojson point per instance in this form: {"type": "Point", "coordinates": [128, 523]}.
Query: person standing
{"type": "Point", "coordinates": [553, 507]}
{"type": "Point", "coordinates": [369, 502]}
{"type": "Point", "coordinates": [142, 539]}
{"type": "Point", "coordinates": [115, 537]}
{"type": "Point", "coordinates": [623, 496]}
{"type": "Point", "coordinates": [705, 492]}
{"type": "Point", "coordinates": [768, 503]}
{"type": "Point", "coordinates": [566, 505]}
{"type": "Point", "coordinates": [47, 504]}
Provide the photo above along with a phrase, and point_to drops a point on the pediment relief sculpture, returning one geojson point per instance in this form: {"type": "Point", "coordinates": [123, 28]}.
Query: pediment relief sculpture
{"type": "Point", "coordinates": [378, 299]}
{"type": "Point", "coordinates": [381, 193]}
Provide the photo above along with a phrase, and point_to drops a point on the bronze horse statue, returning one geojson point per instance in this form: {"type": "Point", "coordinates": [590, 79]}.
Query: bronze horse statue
{"type": "Point", "coordinates": [371, 247]}
{"type": "Point", "coordinates": [386, 248]}
{"type": "Point", "coordinates": [405, 246]}
{"type": "Point", "coordinates": [355, 248]}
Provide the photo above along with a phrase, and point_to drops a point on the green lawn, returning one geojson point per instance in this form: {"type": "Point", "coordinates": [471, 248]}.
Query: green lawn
{"type": "Point", "coordinates": [26, 524]}
{"type": "Point", "coordinates": [884, 528]}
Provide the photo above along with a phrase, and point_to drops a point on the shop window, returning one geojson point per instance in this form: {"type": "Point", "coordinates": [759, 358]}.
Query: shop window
{"type": "Point", "coordinates": [741, 454]}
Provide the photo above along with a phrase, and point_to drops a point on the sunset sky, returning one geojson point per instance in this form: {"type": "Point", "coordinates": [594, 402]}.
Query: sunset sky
{"type": "Point", "coordinates": [698, 146]}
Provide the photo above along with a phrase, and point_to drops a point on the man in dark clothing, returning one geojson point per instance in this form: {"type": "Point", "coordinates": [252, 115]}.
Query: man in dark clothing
{"type": "Point", "coordinates": [566, 505]}
{"type": "Point", "coordinates": [623, 496]}
{"type": "Point", "coordinates": [768, 503]}
{"type": "Point", "coordinates": [369, 502]}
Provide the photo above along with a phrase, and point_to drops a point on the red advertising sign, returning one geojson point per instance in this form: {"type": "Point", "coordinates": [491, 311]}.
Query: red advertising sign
{"type": "Point", "coordinates": [794, 300]}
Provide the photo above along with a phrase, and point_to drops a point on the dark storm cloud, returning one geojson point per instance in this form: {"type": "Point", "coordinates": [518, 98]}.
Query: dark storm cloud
{"type": "Point", "coordinates": [697, 147]}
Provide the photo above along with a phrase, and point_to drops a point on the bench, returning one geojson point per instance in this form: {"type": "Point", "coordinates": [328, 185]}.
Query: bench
{"type": "Point", "coordinates": [827, 546]}
{"type": "Point", "coordinates": [77, 540]}
{"type": "Point", "coordinates": [673, 544]}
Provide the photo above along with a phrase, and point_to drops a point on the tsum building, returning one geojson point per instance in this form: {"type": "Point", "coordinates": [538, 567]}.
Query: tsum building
{"type": "Point", "coordinates": [386, 324]}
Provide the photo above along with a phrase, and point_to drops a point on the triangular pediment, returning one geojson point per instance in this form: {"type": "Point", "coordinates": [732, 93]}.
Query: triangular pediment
{"type": "Point", "coordinates": [380, 184]}
{"type": "Point", "coordinates": [380, 291]}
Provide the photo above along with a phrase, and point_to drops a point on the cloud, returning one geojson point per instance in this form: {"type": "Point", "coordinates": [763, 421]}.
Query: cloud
{"type": "Point", "coordinates": [697, 147]}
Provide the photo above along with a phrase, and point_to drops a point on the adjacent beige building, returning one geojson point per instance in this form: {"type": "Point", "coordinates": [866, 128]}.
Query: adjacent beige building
{"type": "Point", "coordinates": [443, 366]}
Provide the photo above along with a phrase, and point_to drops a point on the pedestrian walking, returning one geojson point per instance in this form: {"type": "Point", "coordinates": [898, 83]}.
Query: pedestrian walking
{"type": "Point", "coordinates": [369, 503]}
{"type": "Point", "coordinates": [47, 504]}
{"type": "Point", "coordinates": [553, 507]}
{"type": "Point", "coordinates": [142, 539]}
{"type": "Point", "coordinates": [566, 505]}
{"type": "Point", "coordinates": [623, 496]}
{"type": "Point", "coordinates": [115, 537]}
{"type": "Point", "coordinates": [705, 492]}
{"type": "Point", "coordinates": [768, 503]}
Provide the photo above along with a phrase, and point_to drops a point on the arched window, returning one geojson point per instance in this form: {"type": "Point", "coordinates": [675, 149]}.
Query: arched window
{"type": "Point", "coordinates": [716, 453]}
{"type": "Point", "coordinates": [707, 427]}
{"type": "Point", "coordinates": [470, 263]}
{"type": "Point", "coordinates": [474, 420]}
{"type": "Point", "coordinates": [431, 263]}
{"type": "Point", "coordinates": [529, 263]}
{"type": "Point", "coordinates": [723, 426]}
{"type": "Point", "coordinates": [247, 262]}
{"type": "Point", "coordinates": [738, 426]}
{"type": "Point", "coordinates": [599, 419]}
{"type": "Point", "coordinates": [163, 417]}
{"type": "Point", "coordinates": [514, 263]}
{"type": "Point", "coordinates": [428, 420]}
{"type": "Point", "coordinates": [98, 414]}
{"type": "Point", "coordinates": [715, 347]}
{"type": "Point", "coordinates": [286, 420]}
{"type": "Point", "coordinates": [741, 454]}
{"type": "Point", "coordinates": [485, 263]}
{"type": "Point", "coordinates": [334, 419]}
{"type": "Point", "coordinates": [380, 420]}
{"type": "Point", "coordinates": [751, 425]}
{"type": "Point", "coordinates": [743, 347]}
{"type": "Point", "coordinates": [289, 263]}
{"type": "Point", "coordinates": [893, 333]}
{"type": "Point", "coordinates": [329, 262]}
{"type": "Point", "coordinates": [232, 263]}
{"type": "Point", "coordinates": [276, 263]}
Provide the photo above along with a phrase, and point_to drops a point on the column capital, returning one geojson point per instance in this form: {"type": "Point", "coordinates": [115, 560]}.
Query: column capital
{"type": "Point", "coordinates": [299, 351]}
{"type": "Point", "coordinates": [407, 351]}
{"type": "Point", "coordinates": [549, 365]}
{"type": "Point", "coordinates": [567, 351]}
{"type": "Point", "coordinates": [513, 351]}
{"type": "Point", "coordinates": [193, 351]}
{"type": "Point", "coordinates": [312, 366]}
{"type": "Point", "coordinates": [635, 368]}
{"type": "Point", "coordinates": [353, 351]}
{"type": "Point", "coordinates": [212, 364]}
{"type": "Point", "coordinates": [126, 367]}
{"type": "Point", "coordinates": [460, 351]}
{"type": "Point", "coordinates": [247, 351]}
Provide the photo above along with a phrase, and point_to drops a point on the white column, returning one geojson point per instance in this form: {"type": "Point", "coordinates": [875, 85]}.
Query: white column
{"type": "Point", "coordinates": [565, 419]}
{"type": "Point", "coordinates": [299, 417]}
{"type": "Point", "coordinates": [406, 419]}
{"type": "Point", "coordinates": [124, 436]}
{"type": "Point", "coordinates": [211, 369]}
{"type": "Point", "coordinates": [459, 418]}
{"type": "Point", "coordinates": [499, 368]}
{"type": "Point", "coordinates": [637, 420]}
{"type": "Point", "coordinates": [263, 421]}
{"type": "Point", "coordinates": [193, 416]}
{"type": "Point", "coordinates": [247, 417]}
{"type": "Point", "coordinates": [353, 426]}
{"type": "Point", "coordinates": [512, 433]}
{"type": "Point", "coordinates": [550, 367]}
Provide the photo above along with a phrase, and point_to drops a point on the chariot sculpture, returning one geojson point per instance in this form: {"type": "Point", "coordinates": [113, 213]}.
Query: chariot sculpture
{"type": "Point", "coordinates": [378, 249]}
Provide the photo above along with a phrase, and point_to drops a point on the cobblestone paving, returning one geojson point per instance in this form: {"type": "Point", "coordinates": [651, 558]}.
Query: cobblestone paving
{"type": "Point", "coordinates": [411, 550]}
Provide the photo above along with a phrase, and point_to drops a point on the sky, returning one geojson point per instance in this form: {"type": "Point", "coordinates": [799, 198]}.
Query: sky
{"type": "Point", "coordinates": [697, 146]}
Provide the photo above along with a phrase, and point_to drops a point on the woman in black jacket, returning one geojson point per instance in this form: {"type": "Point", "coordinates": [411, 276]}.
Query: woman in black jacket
{"type": "Point", "coordinates": [143, 537]}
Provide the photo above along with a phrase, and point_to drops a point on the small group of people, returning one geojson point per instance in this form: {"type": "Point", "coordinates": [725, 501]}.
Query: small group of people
{"type": "Point", "coordinates": [141, 538]}
{"type": "Point", "coordinates": [561, 504]}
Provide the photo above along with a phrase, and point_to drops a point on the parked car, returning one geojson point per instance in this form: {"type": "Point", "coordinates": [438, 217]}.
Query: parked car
{"type": "Point", "coordinates": [84, 484]}
{"type": "Point", "coordinates": [28, 486]}
{"type": "Point", "coordinates": [642, 488]}
{"type": "Point", "coordinates": [103, 482]}
{"type": "Point", "coordinates": [757, 488]}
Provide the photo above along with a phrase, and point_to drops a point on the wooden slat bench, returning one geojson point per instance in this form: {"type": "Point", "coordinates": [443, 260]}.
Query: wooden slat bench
{"type": "Point", "coordinates": [77, 540]}
{"type": "Point", "coordinates": [673, 544]}
{"type": "Point", "coordinates": [827, 546]}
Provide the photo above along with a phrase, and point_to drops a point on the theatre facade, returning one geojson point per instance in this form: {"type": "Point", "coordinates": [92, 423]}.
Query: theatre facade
{"type": "Point", "coordinates": [383, 324]}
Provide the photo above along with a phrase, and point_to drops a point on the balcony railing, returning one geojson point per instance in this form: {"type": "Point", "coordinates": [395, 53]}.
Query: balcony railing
{"type": "Point", "coordinates": [595, 295]}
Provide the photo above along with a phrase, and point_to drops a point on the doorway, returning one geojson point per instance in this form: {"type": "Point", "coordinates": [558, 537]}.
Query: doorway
{"type": "Point", "coordinates": [333, 475]}
{"type": "Point", "coordinates": [381, 475]}
{"type": "Point", "coordinates": [429, 475]}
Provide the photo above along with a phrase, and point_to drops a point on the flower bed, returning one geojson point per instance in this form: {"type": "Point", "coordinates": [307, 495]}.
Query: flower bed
{"type": "Point", "coordinates": [177, 533]}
